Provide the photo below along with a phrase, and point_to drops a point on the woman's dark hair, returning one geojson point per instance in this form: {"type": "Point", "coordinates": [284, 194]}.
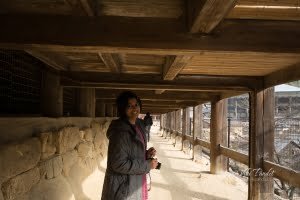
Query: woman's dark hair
{"type": "Point", "coordinates": [122, 102]}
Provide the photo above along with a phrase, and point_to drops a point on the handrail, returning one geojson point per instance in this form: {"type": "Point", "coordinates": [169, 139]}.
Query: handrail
{"type": "Point", "coordinates": [235, 155]}
{"type": "Point", "coordinates": [286, 174]}
{"type": "Point", "coordinates": [283, 173]}
{"type": "Point", "coordinates": [189, 138]}
{"type": "Point", "coordinates": [203, 143]}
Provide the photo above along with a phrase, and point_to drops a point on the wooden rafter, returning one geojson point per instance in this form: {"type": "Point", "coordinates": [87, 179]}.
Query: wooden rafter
{"type": "Point", "coordinates": [83, 6]}
{"type": "Point", "coordinates": [173, 65]}
{"type": "Point", "coordinates": [120, 35]}
{"type": "Point", "coordinates": [150, 82]}
{"type": "Point", "coordinates": [285, 75]}
{"type": "Point", "coordinates": [159, 91]}
{"type": "Point", "coordinates": [207, 14]}
{"type": "Point", "coordinates": [111, 61]}
{"type": "Point", "coordinates": [88, 7]}
{"type": "Point", "coordinates": [151, 96]}
{"type": "Point", "coordinates": [154, 86]}
{"type": "Point", "coordinates": [51, 59]}
{"type": "Point", "coordinates": [144, 79]}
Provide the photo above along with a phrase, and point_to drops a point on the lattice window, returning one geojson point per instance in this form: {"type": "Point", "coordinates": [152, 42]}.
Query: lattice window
{"type": "Point", "coordinates": [20, 83]}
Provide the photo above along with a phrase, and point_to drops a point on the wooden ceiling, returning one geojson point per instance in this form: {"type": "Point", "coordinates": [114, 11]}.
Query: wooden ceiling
{"type": "Point", "coordinates": [166, 47]}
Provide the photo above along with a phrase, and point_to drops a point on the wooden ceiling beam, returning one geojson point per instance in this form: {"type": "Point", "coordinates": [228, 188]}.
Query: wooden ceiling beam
{"type": "Point", "coordinates": [160, 103]}
{"type": "Point", "coordinates": [285, 75]}
{"type": "Point", "coordinates": [173, 65]}
{"type": "Point", "coordinates": [112, 61]}
{"type": "Point", "coordinates": [120, 35]}
{"type": "Point", "coordinates": [205, 15]}
{"type": "Point", "coordinates": [153, 86]}
{"type": "Point", "coordinates": [260, 10]}
{"type": "Point", "coordinates": [83, 79]}
{"type": "Point", "coordinates": [159, 91]}
{"type": "Point", "coordinates": [151, 96]}
{"type": "Point", "coordinates": [88, 7]}
{"type": "Point", "coordinates": [51, 59]}
{"type": "Point", "coordinates": [156, 111]}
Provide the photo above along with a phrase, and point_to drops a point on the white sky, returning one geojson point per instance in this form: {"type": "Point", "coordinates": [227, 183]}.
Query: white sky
{"type": "Point", "coordinates": [286, 88]}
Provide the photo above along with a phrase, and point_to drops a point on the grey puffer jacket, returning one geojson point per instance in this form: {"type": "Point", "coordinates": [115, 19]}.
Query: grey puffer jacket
{"type": "Point", "coordinates": [126, 163]}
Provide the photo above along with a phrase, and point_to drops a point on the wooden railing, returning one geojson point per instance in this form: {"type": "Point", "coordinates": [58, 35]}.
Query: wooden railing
{"type": "Point", "coordinates": [288, 175]}
{"type": "Point", "coordinates": [237, 156]}
{"type": "Point", "coordinates": [283, 173]}
{"type": "Point", "coordinates": [202, 143]}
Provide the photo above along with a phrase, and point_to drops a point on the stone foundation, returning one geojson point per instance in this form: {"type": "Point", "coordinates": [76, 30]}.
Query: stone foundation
{"type": "Point", "coordinates": [63, 164]}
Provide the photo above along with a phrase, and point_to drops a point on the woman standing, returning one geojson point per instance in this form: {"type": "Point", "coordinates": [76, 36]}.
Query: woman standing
{"type": "Point", "coordinates": [128, 160]}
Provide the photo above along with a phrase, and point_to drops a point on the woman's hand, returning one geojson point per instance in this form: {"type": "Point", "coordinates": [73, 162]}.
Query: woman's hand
{"type": "Point", "coordinates": [151, 152]}
{"type": "Point", "coordinates": [153, 163]}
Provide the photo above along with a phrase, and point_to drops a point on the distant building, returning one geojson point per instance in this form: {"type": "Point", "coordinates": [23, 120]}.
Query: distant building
{"type": "Point", "coordinates": [287, 104]}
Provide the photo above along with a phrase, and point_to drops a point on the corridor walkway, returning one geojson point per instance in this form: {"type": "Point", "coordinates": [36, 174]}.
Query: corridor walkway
{"type": "Point", "coordinates": [182, 179]}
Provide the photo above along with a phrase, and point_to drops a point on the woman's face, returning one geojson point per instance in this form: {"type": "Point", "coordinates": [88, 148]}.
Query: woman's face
{"type": "Point", "coordinates": [133, 109]}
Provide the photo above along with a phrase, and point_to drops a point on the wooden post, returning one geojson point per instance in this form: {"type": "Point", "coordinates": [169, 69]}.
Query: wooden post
{"type": "Point", "coordinates": [87, 102]}
{"type": "Point", "coordinates": [173, 122]}
{"type": "Point", "coordinates": [218, 136]}
{"type": "Point", "coordinates": [197, 121]}
{"type": "Point", "coordinates": [161, 122]}
{"type": "Point", "coordinates": [261, 142]}
{"type": "Point", "coordinates": [109, 110]}
{"type": "Point", "coordinates": [52, 95]}
{"type": "Point", "coordinates": [100, 109]}
{"type": "Point", "coordinates": [164, 124]}
{"type": "Point", "coordinates": [115, 111]}
{"type": "Point", "coordinates": [188, 126]}
{"type": "Point", "coordinates": [185, 120]}
{"type": "Point", "coordinates": [168, 125]}
{"type": "Point", "coordinates": [178, 121]}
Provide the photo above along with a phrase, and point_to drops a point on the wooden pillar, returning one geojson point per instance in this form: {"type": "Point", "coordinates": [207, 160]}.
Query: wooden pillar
{"type": "Point", "coordinates": [161, 122]}
{"type": "Point", "coordinates": [100, 109]}
{"type": "Point", "coordinates": [173, 118]}
{"type": "Point", "coordinates": [236, 109]}
{"type": "Point", "coordinates": [168, 120]}
{"type": "Point", "coordinates": [109, 110]}
{"type": "Point", "coordinates": [51, 95]}
{"type": "Point", "coordinates": [177, 122]}
{"type": "Point", "coordinates": [261, 142]}
{"type": "Point", "coordinates": [197, 114]}
{"type": "Point", "coordinates": [185, 121]}
{"type": "Point", "coordinates": [188, 127]}
{"type": "Point", "coordinates": [173, 121]}
{"type": "Point", "coordinates": [87, 102]}
{"type": "Point", "coordinates": [115, 111]}
{"type": "Point", "coordinates": [218, 136]}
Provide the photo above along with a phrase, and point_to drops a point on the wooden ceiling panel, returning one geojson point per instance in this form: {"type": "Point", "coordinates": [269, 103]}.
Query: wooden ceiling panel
{"type": "Point", "coordinates": [89, 67]}
{"type": "Point", "coordinates": [142, 59]}
{"type": "Point", "coordinates": [61, 7]}
{"type": "Point", "coordinates": [269, 2]}
{"type": "Point", "coordinates": [141, 69]}
{"type": "Point", "coordinates": [82, 57]}
{"type": "Point", "coordinates": [266, 9]}
{"type": "Point", "coordinates": [142, 8]}
{"type": "Point", "coordinates": [239, 63]}
{"type": "Point", "coordinates": [142, 63]}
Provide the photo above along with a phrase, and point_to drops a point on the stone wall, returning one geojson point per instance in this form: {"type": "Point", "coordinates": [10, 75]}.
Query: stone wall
{"type": "Point", "coordinates": [62, 164]}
